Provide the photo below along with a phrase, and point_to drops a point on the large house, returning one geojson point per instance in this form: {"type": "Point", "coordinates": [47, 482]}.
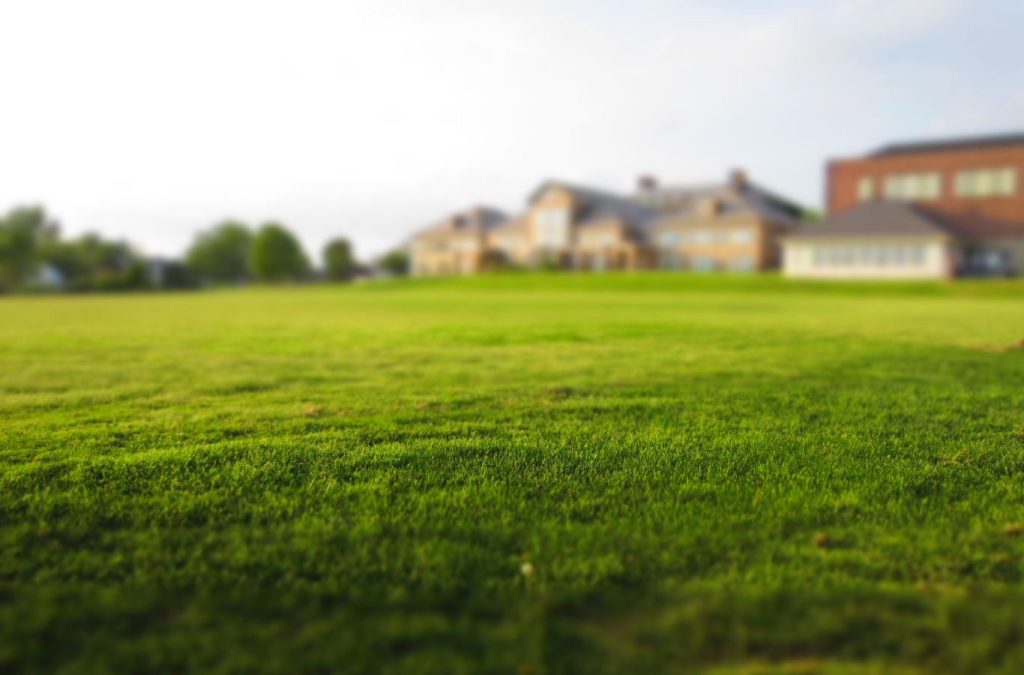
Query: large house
{"type": "Point", "coordinates": [456, 245]}
{"type": "Point", "coordinates": [734, 225]}
{"type": "Point", "coordinates": [575, 227]}
{"type": "Point", "coordinates": [919, 210]}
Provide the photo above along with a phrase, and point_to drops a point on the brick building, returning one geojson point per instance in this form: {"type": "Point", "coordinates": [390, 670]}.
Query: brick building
{"type": "Point", "coordinates": [919, 210]}
{"type": "Point", "coordinates": [979, 175]}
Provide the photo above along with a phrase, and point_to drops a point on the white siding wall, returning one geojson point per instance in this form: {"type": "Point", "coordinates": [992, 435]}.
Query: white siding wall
{"type": "Point", "coordinates": [868, 259]}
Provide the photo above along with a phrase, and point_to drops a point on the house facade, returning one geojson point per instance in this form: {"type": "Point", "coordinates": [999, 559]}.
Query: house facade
{"type": "Point", "coordinates": [972, 175]}
{"type": "Point", "coordinates": [931, 210]}
{"type": "Point", "coordinates": [734, 225]}
{"type": "Point", "coordinates": [575, 227]}
{"type": "Point", "coordinates": [457, 244]}
{"type": "Point", "coordinates": [897, 240]}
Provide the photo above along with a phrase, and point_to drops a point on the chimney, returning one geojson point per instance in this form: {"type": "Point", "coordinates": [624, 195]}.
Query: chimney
{"type": "Point", "coordinates": [738, 179]}
{"type": "Point", "coordinates": [646, 183]}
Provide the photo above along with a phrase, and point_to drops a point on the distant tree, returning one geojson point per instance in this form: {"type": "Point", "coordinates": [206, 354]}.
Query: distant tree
{"type": "Point", "coordinates": [811, 216]}
{"type": "Point", "coordinates": [339, 265]}
{"type": "Point", "coordinates": [175, 275]}
{"type": "Point", "coordinates": [71, 261]}
{"type": "Point", "coordinates": [91, 262]}
{"type": "Point", "coordinates": [551, 262]}
{"type": "Point", "coordinates": [395, 263]}
{"type": "Point", "coordinates": [494, 261]}
{"type": "Point", "coordinates": [277, 256]}
{"type": "Point", "coordinates": [23, 233]}
{"type": "Point", "coordinates": [132, 277]}
{"type": "Point", "coordinates": [221, 254]}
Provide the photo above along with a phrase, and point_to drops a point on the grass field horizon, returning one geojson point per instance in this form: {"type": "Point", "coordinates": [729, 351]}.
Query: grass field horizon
{"type": "Point", "coordinates": [516, 473]}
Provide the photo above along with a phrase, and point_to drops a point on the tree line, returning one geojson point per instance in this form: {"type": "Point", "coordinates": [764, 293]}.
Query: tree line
{"type": "Point", "coordinates": [34, 256]}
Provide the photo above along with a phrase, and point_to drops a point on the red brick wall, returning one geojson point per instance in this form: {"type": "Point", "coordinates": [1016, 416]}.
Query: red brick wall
{"type": "Point", "coordinates": [842, 177]}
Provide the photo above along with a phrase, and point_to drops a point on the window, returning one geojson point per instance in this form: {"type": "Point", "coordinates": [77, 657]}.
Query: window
{"type": "Point", "coordinates": [868, 255]}
{"type": "Point", "coordinates": [917, 255]}
{"type": "Point", "coordinates": [913, 186]}
{"type": "Point", "coordinates": [986, 182]}
{"type": "Point", "coordinates": [744, 236]}
{"type": "Point", "coordinates": [670, 238]}
{"type": "Point", "coordinates": [703, 264]}
{"type": "Point", "coordinates": [865, 188]}
{"type": "Point", "coordinates": [701, 237]}
{"type": "Point", "coordinates": [553, 228]}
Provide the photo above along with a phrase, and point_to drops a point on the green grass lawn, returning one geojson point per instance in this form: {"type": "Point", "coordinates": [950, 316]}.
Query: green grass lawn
{"type": "Point", "coordinates": [532, 474]}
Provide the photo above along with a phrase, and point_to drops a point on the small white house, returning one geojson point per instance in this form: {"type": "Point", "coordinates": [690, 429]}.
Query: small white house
{"type": "Point", "coordinates": [902, 240]}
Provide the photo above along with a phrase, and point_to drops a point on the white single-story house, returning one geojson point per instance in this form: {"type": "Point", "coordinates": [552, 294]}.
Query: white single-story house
{"type": "Point", "coordinates": [903, 240]}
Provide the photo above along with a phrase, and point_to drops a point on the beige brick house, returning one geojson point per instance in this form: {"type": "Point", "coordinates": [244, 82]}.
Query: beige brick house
{"type": "Point", "coordinates": [576, 227]}
{"type": "Point", "coordinates": [730, 226]}
{"type": "Point", "coordinates": [456, 245]}
{"type": "Point", "coordinates": [734, 226]}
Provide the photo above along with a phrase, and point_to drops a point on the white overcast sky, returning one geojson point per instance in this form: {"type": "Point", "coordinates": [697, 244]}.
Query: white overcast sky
{"type": "Point", "coordinates": [151, 120]}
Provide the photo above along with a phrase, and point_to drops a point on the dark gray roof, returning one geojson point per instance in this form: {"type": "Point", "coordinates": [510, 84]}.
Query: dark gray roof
{"type": "Point", "coordinates": [683, 200]}
{"type": "Point", "coordinates": [975, 226]}
{"type": "Point", "coordinates": [963, 143]}
{"type": "Point", "coordinates": [474, 218]}
{"type": "Point", "coordinates": [483, 216]}
{"type": "Point", "coordinates": [878, 219]}
{"type": "Point", "coordinates": [598, 205]}
{"type": "Point", "coordinates": [908, 219]}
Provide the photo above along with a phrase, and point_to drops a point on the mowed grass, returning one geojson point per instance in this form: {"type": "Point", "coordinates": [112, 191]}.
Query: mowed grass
{"type": "Point", "coordinates": [618, 473]}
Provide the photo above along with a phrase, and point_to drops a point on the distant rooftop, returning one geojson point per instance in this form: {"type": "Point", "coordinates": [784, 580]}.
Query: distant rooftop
{"type": "Point", "coordinates": [963, 143]}
{"type": "Point", "coordinates": [738, 192]}
{"type": "Point", "coordinates": [476, 218]}
{"type": "Point", "coordinates": [907, 219]}
{"type": "Point", "coordinates": [597, 205]}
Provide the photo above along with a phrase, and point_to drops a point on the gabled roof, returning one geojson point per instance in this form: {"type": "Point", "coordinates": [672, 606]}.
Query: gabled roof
{"type": "Point", "coordinates": [906, 219]}
{"type": "Point", "coordinates": [484, 217]}
{"type": "Point", "coordinates": [516, 224]}
{"type": "Point", "coordinates": [676, 201]}
{"type": "Point", "coordinates": [598, 205]}
{"type": "Point", "coordinates": [963, 143]}
{"type": "Point", "coordinates": [975, 226]}
{"type": "Point", "coordinates": [476, 218]}
{"type": "Point", "coordinates": [876, 219]}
